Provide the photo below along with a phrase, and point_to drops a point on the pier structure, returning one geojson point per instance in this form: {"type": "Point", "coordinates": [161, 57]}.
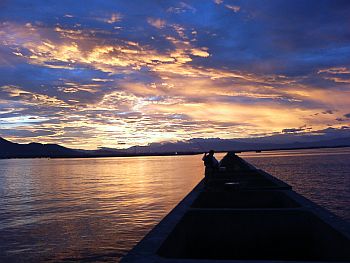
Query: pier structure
{"type": "Point", "coordinates": [244, 214]}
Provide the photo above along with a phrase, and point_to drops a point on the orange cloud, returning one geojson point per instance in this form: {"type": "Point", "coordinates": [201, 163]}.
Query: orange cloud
{"type": "Point", "coordinates": [156, 22]}
{"type": "Point", "coordinates": [205, 101]}
{"type": "Point", "coordinates": [115, 17]}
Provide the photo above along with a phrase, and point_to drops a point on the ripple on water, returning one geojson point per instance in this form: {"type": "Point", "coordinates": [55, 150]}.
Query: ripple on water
{"type": "Point", "coordinates": [64, 210]}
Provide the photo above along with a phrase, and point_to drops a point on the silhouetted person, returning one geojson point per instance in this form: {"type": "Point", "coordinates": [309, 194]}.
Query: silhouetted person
{"type": "Point", "coordinates": [232, 162]}
{"type": "Point", "coordinates": [211, 165]}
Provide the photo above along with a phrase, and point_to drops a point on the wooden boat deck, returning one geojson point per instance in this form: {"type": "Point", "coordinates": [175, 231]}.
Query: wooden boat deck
{"type": "Point", "coordinates": [245, 215]}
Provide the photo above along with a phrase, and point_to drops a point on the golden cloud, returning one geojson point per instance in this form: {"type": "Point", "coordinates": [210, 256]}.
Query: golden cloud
{"type": "Point", "coordinates": [156, 22]}
{"type": "Point", "coordinates": [143, 110]}
{"type": "Point", "coordinates": [115, 17]}
{"type": "Point", "coordinates": [336, 74]}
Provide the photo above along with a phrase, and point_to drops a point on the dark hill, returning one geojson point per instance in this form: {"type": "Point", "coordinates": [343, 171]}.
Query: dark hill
{"type": "Point", "coordinates": [201, 145]}
{"type": "Point", "coordinates": [34, 150]}
{"type": "Point", "coordinates": [15, 150]}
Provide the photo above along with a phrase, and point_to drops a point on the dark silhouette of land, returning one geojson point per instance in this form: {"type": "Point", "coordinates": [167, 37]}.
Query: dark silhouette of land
{"type": "Point", "coordinates": [194, 146]}
{"type": "Point", "coordinates": [15, 150]}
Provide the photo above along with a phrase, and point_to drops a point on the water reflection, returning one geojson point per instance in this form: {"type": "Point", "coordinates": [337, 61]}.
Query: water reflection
{"type": "Point", "coordinates": [87, 208]}
{"type": "Point", "coordinates": [97, 209]}
{"type": "Point", "coordinates": [321, 175]}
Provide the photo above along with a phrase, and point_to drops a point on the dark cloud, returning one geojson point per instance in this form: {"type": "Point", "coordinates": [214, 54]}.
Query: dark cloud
{"type": "Point", "coordinates": [293, 130]}
{"type": "Point", "coordinates": [25, 133]}
{"type": "Point", "coordinates": [264, 35]}
{"type": "Point", "coordinates": [328, 112]}
{"type": "Point", "coordinates": [340, 119]}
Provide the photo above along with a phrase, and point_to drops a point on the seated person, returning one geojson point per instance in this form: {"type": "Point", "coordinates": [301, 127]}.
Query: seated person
{"type": "Point", "coordinates": [232, 162]}
{"type": "Point", "coordinates": [211, 165]}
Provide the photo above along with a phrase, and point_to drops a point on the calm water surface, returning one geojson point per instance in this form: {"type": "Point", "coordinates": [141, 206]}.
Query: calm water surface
{"type": "Point", "coordinates": [322, 175]}
{"type": "Point", "coordinates": [97, 209]}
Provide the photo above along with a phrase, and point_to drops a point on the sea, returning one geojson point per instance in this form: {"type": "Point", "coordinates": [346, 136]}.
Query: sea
{"type": "Point", "coordinates": [96, 210]}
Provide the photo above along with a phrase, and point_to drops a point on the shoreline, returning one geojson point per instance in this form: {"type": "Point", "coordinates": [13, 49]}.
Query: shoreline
{"type": "Point", "coordinates": [84, 156]}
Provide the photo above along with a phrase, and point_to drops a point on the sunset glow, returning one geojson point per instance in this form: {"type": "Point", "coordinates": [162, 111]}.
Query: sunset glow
{"type": "Point", "coordinates": [124, 73]}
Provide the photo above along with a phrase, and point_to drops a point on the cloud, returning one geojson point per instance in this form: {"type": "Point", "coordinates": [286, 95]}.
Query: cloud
{"type": "Point", "coordinates": [115, 17]}
{"type": "Point", "coordinates": [125, 55]}
{"type": "Point", "coordinates": [90, 78]}
{"type": "Point", "coordinates": [234, 8]}
{"type": "Point", "coordinates": [293, 130]}
{"type": "Point", "coordinates": [336, 74]}
{"type": "Point", "coordinates": [182, 7]}
{"type": "Point", "coordinates": [18, 94]}
{"type": "Point", "coordinates": [200, 52]}
{"type": "Point", "coordinates": [335, 70]}
{"type": "Point", "coordinates": [328, 112]}
{"type": "Point", "coordinates": [340, 119]}
{"type": "Point", "coordinates": [25, 133]}
{"type": "Point", "coordinates": [156, 22]}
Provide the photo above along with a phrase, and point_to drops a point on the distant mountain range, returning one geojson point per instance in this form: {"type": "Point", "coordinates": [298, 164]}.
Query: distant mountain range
{"type": "Point", "coordinates": [34, 150]}
{"type": "Point", "coordinates": [203, 145]}
{"type": "Point", "coordinates": [15, 150]}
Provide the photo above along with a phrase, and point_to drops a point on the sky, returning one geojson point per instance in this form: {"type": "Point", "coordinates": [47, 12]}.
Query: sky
{"type": "Point", "coordinates": [89, 74]}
